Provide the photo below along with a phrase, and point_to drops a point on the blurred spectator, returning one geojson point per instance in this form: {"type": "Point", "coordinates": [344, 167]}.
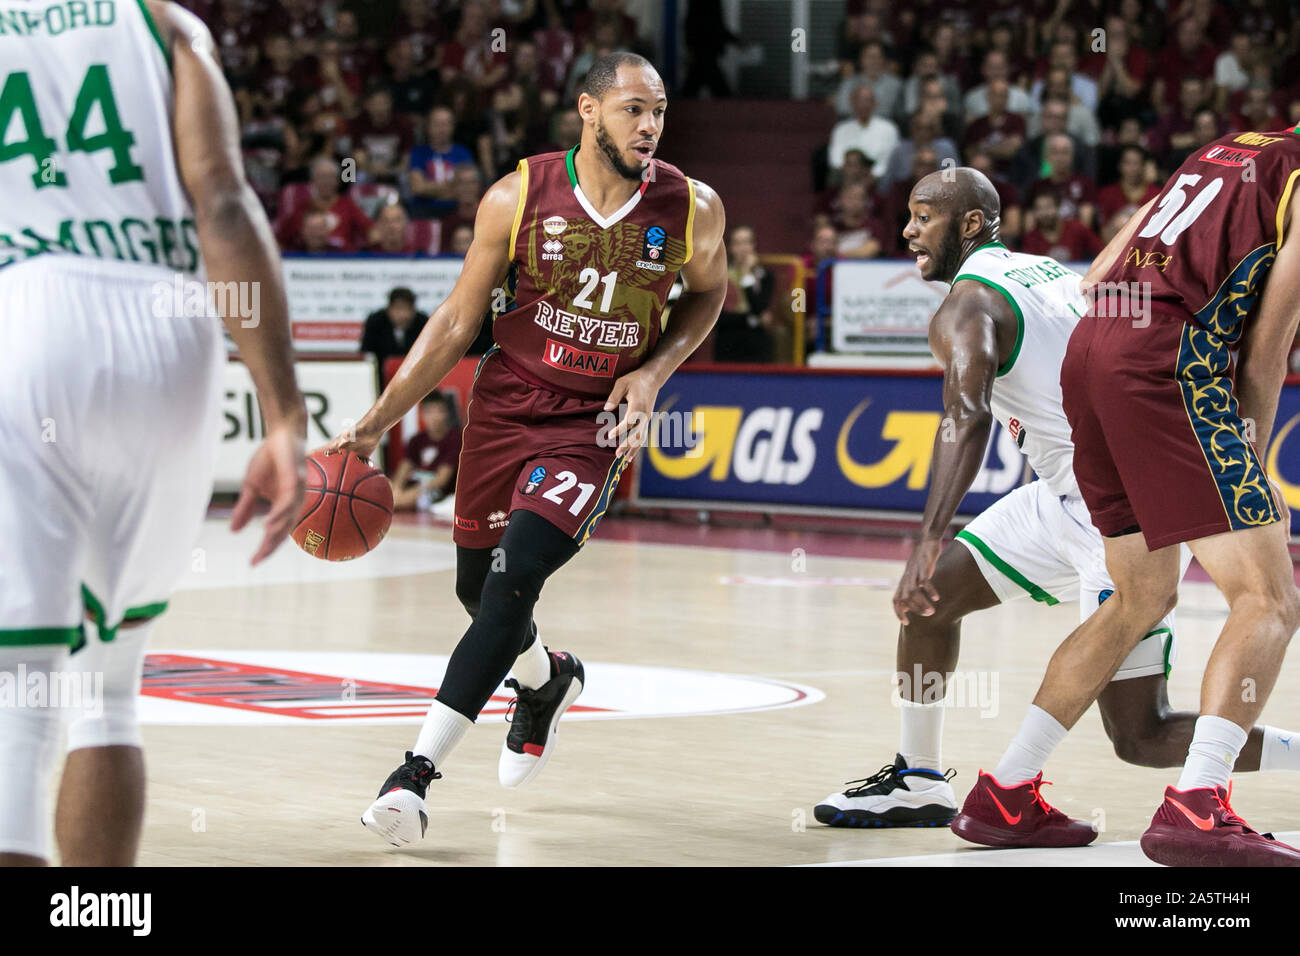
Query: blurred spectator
{"type": "Point", "coordinates": [394, 233]}
{"type": "Point", "coordinates": [1011, 224]}
{"type": "Point", "coordinates": [556, 50]}
{"type": "Point", "coordinates": [1066, 240]}
{"type": "Point", "coordinates": [1232, 68]}
{"type": "Point", "coordinates": [611, 12]}
{"type": "Point", "coordinates": [392, 330]}
{"type": "Point", "coordinates": [1080, 122]}
{"type": "Point", "coordinates": [381, 139]}
{"type": "Point", "coordinates": [433, 165]}
{"type": "Point", "coordinates": [1074, 194]}
{"type": "Point", "coordinates": [859, 233]}
{"type": "Point", "coordinates": [473, 52]}
{"type": "Point", "coordinates": [873, 71]}
{"type": "Point", "coordinates": [418, 26]}
{"type": "Point", "coordinates": [1002, 38]}
{"type": "Point", "coordinates": [743, 333]}
{"type": "Point", "coordinates": [823, 248]}
{"type": "Point", "coordinates": [427, 472]}
{"type": "Point", "coordinates": [1136, 186]}
{"type": "Point", "coordinates": [1123, 75]}
{"type": "Point", "coordinates": [874, 136]}
{"type": "Point", "coordinates": [515, 121]}
{"type": "Point", "coordinates": [1189, 56]}
{"type": "Point", "coordinates": [1081, 87]}
{"type": "Point", "coordinates": [998, 132]}
{"type": "Point", "coordinates": [338, 87]}
{"type": "Point", "coordinates": [313, 235]}
{"type": "Point", "coordinates": [952, 58]}
{"type": "Point", "coordinates": [926, 67]}
{"type": "Point", "coordinates": [566, 128]}
{"type": "Point", "coordinates": [349, 227]}
{"type": "Point", "coordinates": [1130, 133]}
{"type": "Point", "coordinates": [410, 86]}
{"type": "Point", "coordinates": [1205, 130]}
{"type": "Point", "coordinates": [527, 72]}
{"type": "Point", "coordinates": [467, 190]}
{"type": "Point", "coordinates": [604, 40]}
{"type": "Point", "coordinates": [996, 71]}
{"type": "Point", "coordinates": [856, 171]}
{"type": "Point", "coordinates": [923, 131]}
{"type": "Point", "coordinates": [1173, 134]}
{"type": "Point", "coordinates": [935, 104]}
{"type": "Point", "coordinates": [707, 38]}
{"type": "Point", "coordinates": [1257, 110]}
{"type": "Point", "coordinates": [461, 237]}
{"type": "Point", "coordinates": [1030, 164]}
{"type": "Point", "coordinates": [280, 73]}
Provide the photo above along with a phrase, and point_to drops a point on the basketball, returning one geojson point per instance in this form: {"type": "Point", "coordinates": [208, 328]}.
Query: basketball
{"type": "Point", "coordinates": [347, 510]}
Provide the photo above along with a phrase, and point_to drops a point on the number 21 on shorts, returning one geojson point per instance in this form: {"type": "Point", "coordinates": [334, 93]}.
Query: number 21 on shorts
{"type": "Point", "coordinates": [567, 482]}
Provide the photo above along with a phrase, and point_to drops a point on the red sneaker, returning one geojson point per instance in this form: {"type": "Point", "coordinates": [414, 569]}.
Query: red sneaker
{"type": "Point", "coordinates": [994, 815]}
{"type": "Point", "coordinates": [1198, 828]}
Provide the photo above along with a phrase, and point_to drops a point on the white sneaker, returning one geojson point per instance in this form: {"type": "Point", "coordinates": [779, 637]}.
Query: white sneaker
{"type": "Point", "coordinates": [894, 796]}
{"type": "Point", "coordinates": [536, 717]}
{"type": "Point", "coordinates": [397, 815]}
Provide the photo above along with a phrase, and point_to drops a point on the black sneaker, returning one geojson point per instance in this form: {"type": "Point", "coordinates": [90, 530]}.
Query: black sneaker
{"type": "Point", "coordinates": [893, 796]}
{"type": "Point", "coordinates": [399, 809]}
{"type": "Point", "coordinates": [535, 715]}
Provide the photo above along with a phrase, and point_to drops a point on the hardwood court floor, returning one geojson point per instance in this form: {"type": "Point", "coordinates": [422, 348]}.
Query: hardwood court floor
{"type": "Point", "coordinates": [728, 788]}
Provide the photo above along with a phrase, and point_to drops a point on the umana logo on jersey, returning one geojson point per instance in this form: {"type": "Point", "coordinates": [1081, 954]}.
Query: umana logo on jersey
{"type": "Point", "coordinates": [565, 357]}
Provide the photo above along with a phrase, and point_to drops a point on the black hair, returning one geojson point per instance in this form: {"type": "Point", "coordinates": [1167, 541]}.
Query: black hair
{"type": "Point", "coordinates": [603, 74]}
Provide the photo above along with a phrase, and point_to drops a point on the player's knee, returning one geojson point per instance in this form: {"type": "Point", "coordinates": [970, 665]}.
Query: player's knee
{"type": "Point", "coordinates": [114, 723]}
{"type": "Point", "coordinates": [469, 591]}
{"type": "Point", "coordinates": [1276, 610]}
{"type": "Point", "coordinates": [1140, 746]}
{"type": "Point", "coordinates": [1146, 602]}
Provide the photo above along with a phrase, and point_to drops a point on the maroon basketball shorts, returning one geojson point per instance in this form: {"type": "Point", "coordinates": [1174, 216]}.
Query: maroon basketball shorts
{"type": "Point", "coordinates": [525, 447]}
{"type": "Point", "coordinates": [1158, 442]}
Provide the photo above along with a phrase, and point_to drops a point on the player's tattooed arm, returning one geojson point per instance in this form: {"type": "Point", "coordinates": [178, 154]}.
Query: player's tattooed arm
{"type": "Point", "coordinates": [454, 324]}
{"type": "Point", "coordinates": [1266, 343]}
{"type": "Point", "coordinates": [964, 337]}
{"type": "Point", "coordinates": [696, 311]}
{"type": "Point", "coordinates": [1114, 249]}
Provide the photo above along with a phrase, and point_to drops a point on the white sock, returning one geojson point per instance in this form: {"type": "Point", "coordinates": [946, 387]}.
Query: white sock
{"type": "Point", "coordinates": [1033, 743]}
{"type": "Point", "coordinates": [920, 737]}
{"type": "Point", "coordinates": [1215, 745]}
{"type": "Point", "coordinates": [1281, 750]}
{"type": "Point", "coordinates": [532, 668]}
{"type": "Point", "coordinates": [442, 730]}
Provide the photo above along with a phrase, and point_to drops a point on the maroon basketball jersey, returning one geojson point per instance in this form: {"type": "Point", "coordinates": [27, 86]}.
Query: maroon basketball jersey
{"type": "Point", "coordinates": [1209, 241]}
{"type": "Point", "coordinates": [589, 293]}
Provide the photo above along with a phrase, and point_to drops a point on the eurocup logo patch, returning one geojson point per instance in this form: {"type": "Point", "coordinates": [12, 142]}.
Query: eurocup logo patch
{"type": "Point", "coordinates": [534, 481]}
{"type": "Point", "coordinates": [654, 244]}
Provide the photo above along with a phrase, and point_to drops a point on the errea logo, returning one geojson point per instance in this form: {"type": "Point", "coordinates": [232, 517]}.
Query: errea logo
{"type": "Point", "coordinates": [498, 519]}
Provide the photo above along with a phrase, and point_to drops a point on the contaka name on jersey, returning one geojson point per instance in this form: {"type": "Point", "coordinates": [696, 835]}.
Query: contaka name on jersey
{"type": "Point", "coordinates": [334, 392]}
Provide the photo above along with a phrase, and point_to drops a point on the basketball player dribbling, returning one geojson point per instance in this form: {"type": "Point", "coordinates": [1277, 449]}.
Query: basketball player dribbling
{"type": "Point", "coordinates": [1167, 436]}
{"type": "Point", "coordinates": [1000, 335]}
{"type": "Point", "coordinates": [587, 244]}
{"type": "Point", "coordinates": [120, 171]}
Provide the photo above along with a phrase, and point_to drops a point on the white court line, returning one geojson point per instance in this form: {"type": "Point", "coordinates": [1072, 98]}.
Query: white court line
{"type": "Point", "coordinates": [1122, 853]}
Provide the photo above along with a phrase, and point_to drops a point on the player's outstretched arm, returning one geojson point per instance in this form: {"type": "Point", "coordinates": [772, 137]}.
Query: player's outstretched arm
{"type": "Point", "coordinates": [1114, 249]}
{"type": "Point", "coordinates": [238, 247]}
{"type": "Point", "coordinates": [1266, 344]}
{"type": "Point", "coordinates": [964, 340]}
{"type": "Point", "coordinates": [453, 326]}
{"type": "Point", "coordinates": [694, 314]}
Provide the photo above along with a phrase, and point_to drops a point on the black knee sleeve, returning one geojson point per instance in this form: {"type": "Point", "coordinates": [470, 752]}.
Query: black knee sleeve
{"type": "Point", "coordinates": [472, 565]}
{"type": "Point", "coordinates": [514, 573]}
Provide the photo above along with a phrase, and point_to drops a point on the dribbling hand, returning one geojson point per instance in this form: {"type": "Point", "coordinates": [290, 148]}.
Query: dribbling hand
{"type": "Point", "coordinates": [277, 473]}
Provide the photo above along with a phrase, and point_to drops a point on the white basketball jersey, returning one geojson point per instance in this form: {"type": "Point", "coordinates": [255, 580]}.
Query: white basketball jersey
{"type": "Point", "coordinates": [1027, 393]}
{"type": "Point", "coordinates": [87, 166]}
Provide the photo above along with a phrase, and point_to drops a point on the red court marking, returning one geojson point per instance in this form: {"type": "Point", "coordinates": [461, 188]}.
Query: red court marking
{"type": "Point", "coordinates": [277, 690]}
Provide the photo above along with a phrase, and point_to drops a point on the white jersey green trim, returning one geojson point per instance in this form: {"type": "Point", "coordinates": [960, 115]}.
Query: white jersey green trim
{"type": "Point", "coordinates": [1047, 303]}
{"type": "Point", "coordinates": [87, 163]}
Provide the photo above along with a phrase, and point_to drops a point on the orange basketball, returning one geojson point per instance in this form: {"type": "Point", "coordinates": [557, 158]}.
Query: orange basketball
{"type": "Point", "coordinates": [347, 510]}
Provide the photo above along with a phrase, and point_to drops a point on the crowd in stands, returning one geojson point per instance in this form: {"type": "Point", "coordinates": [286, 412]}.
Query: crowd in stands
{"type": "Point", "coordinates": [377, 125]}
{"type": "Point", "coordinates": [1078, 110]}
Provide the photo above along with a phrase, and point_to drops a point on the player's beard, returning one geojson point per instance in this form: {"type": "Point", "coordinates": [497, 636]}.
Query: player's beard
{"type": "Point", "coordinates": [612, 153]}
{"type": "Point", "coordinates": [948, 256]}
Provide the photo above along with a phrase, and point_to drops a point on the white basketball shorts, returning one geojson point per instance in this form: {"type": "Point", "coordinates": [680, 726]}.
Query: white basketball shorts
{"type": "Point", "coordinates": [108, 421]}
{"type": "Point", "coordinates": [1034, 544]}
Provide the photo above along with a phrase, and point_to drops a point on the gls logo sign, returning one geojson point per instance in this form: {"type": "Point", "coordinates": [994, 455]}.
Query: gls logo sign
{"type": "Point", "coordinates": [778, 446]}
{"type": "Point", "coordinates": [753, 447]}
